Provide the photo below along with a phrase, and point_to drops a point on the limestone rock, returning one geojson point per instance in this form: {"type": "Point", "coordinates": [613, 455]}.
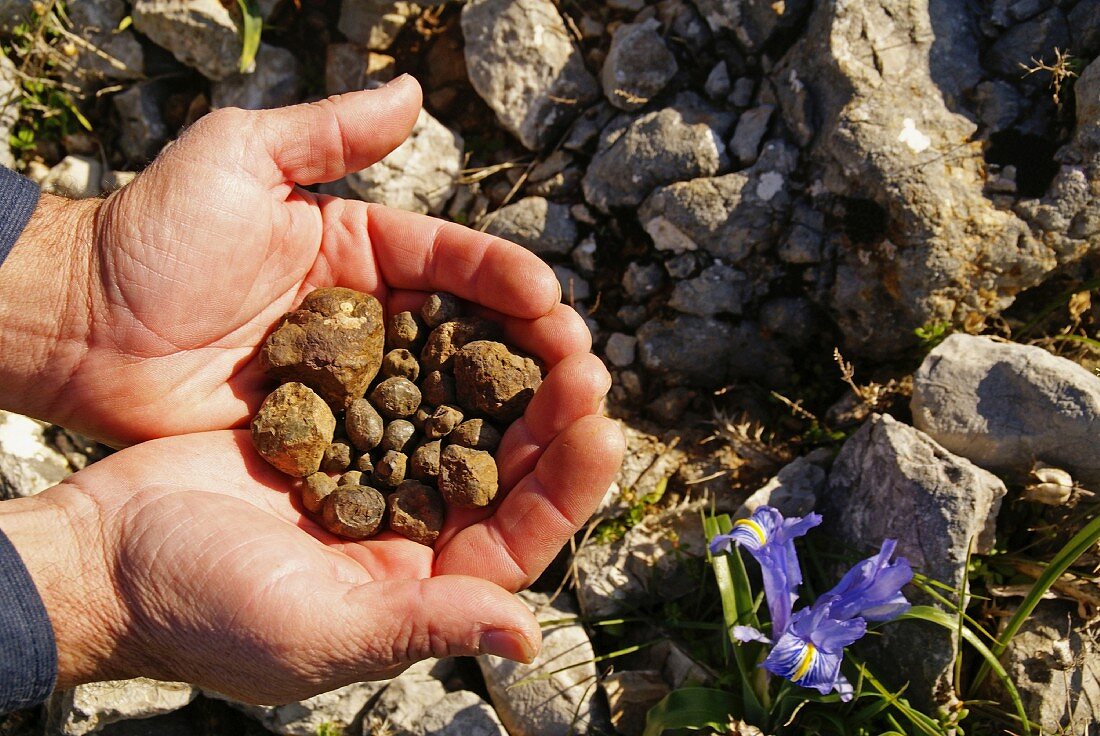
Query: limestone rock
{"type": "Point", "coordinates": [9, 105]}
{"type": "Point", "coordinates": [142, 130]}
{"type": "Point", "coordinates": [525, 65]}
{"type": "Point", "coordinates": [28, 464]}
{"type": "Point", "coordinates": [375, 23]}
{"type": "Point", "coordinates": [338, 708]}
{"type": "Point", "coordinates": [75, 177]}
{"type": "Point", "coordinates": [552, 701]}
{"type": "Point", "coordinates": [97, 23]}
{"type": "Point", "coordinates": [419, 175]}
{"type": "Point", "coordinates": [638, 65]}
{"type": "Point", "coordinates": [893, 481]}
{"type": "Point", "coordinates": [703, 351]}
{"type": "Point", "coordinates": [203, 34]}
{"type": "Point", "coordinates": [350, 67]}
{"type": "Point", "coordinates": [1006, 406]}
{"type": "Point", "coordinates": [277, 82]}
{"type": "Point", "coordinates": [717, 289]}
{"type": "Point", "coordinates": [630, 695]}
{"type": "Point", "coordinates": [793, 490]}
{"type": "Point", "coordinates": [544, 228]}
{"type": "Point", "coordinates": [753, 22]}
{"type": "Point", "coordinates": [88, 708]}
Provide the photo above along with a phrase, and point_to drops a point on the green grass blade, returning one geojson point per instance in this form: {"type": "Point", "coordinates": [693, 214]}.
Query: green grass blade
{"type": "Point", "coordinates": [1074, 548]}
{"type": "Point", "coordinates": [252, 27]}
{"type": "Point", "coordinates": [693, 708]}
{"type": "Point", "coordinates": [938, 617]}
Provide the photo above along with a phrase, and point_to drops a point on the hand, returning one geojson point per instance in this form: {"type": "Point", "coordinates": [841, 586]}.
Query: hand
{"type": "Point", "coordinates": [188, 559]}
{"type": "Point", "coordinates": [138, 317]}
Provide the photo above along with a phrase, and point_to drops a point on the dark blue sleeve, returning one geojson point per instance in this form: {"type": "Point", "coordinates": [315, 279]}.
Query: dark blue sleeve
{"type": "Point", "coordinates": [28, 654]}
{"type": "Point", "coordinates": [18, 198]}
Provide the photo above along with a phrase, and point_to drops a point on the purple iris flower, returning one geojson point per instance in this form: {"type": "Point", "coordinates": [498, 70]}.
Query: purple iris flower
{"type": "Point", "coordinates": [872, 589]}
{"type": "Point", "coordinates": [810, 651]}
{"type": "Point", "coordinates": [769, 538]}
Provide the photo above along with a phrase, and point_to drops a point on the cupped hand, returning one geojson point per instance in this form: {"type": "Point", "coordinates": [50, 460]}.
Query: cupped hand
{"type": "Point", "coordinates": [192, 264]}
{"type": "Point", "coordinates": [189, 559]}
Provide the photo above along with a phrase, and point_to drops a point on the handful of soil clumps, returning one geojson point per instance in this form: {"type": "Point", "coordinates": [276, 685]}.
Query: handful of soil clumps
{"type": "Point", "coordinates": [381, 438]}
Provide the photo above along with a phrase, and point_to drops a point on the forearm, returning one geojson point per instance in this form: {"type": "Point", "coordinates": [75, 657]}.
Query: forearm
{"type": "Point", "coordinates": [44, 288]}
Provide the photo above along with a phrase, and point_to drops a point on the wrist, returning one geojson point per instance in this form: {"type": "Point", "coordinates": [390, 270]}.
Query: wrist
{"type": "Point", "coordinates": [44, 293]}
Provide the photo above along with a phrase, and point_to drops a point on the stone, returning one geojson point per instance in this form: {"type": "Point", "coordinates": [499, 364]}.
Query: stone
{"type": "Point", "coordinates": [574, 289]}
{"type": "Point", "coordinates": [439, 308]}
{"type": "Point", "coordinates": [404, 332]}
{"type": "Point", "coordinates": [467, 478]}
{"type": "Point", "coordinates": [350, 67]}
{"type": "Point", "coordinates": [638, 65]}
{"type": "Point", "coordinates": [353, 512]}
{"type": "Point", "coordinates": [75, 177]}
{"type": "Point", "coordinates": [556, 697]}
{"type": "Point", "coordinates": [350, 478]}
{"type": "Point", "coordinates": [718, 289]}
{"type": "Point", "coordinates": [364, 425]}
{"type": "Point", "coordinates": [1054, 662]}
{"type": "Point", "coordinates": [542, 227]}
{"type": "Point", "coordinates": [523, 62]}
{"type": "Point", "coordinates": [416, 512]}
{"type": "Point", "coordinates": [202, 34]}
{"type": "Point", "coordinates": [803, 244]}
{"type": "Point", "coordinates": [396, 398]}
{"type": "Point", "coordinates": [142, 130]}
{"type": "Point", "coordinates": [391, 469]}
{"type": "Point", "coordinates": [891, 481]}
{"type": "Point", "coordinates": [793, 490]}
{"type": "Point", "coordinates": [751, 128]}
{"type": "Point", "coordinates": [450, 337]}
{"type": "Point", "coordinates": [375, 23]}
{"type": "Point", "coordinates": [403, 706]}
{"type": "Point", "coordinates": [397, 435]}
{"type": "Point", "coordinates": [998, 104]}
{"type": "Point", "coordinates": [119, 52]}
{"type": "Point", "coordinates": [584, 255]}
{"type": "Point", "coordinates": [477, 434]}
{"type": "Point", "coordinates": [752, 22]}
{"type": "Point", "coordinates": [29, 464]}
{"type": "Point", "coordinates": [337, 458]}
{"type": "Point", "coordinates": [620, 349]}
{"type": "Point", "coordinates": [460, 713]}
{"type": "Point", "coordinates": [316, 487]}
{"type": "Point", "coordinates": [642, 280]}
{"type": "Point", "coordinates": [442, 422]}
{"type": "Point", "coordinates": [637, 155]}
{"type": "Point", "coordinates": [694, 349]}
{"type": "Point", "coordinates": [292, 429]}
{"type": "Point", "coordinates": [337, 709]}
{"type": "Point", "coordinates": [729, 216]}
{"type": "Point", "coordinates": [332, 343]}
{"type": "Point", "coordinates": [438, 388]}
{"type": "Point", "coordinates": [792, 319]}
{"type": "Point", "coordinates": [277, 82]}
{"type": "Point", "coordinates": [1024, 44]}
{"type": "Point", "coordinates": [1084, 26]}
{"type": "Point", "coordinates": [630, 695]}
{"type": "Point", "coordinates": [743, 90]}
{"type": "Point", "coordinates": [492, 380]}
{"type": "Point", "coordinates": [10, 92]}
{"type": "Point", "coordinates": [718, 85]}
{"type": "Point", "coordinates": [89, 708]}
{"type": "Point", "coordinates": [885, 139]}
{"type": "Point", "coordinates": [424, 463]}
{"type": "Point", "coordinates": [399, 363]}
{"type": "Point", "coordinates": [1007, 407]}
{"type": "Point", "coordinates": [419, 175]}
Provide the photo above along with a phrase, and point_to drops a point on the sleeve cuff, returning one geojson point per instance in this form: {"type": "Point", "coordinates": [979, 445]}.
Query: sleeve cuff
{"type": "Point", "coordinates": [28, 653]}
{"type": "Point", "coordinates": [18, 198]}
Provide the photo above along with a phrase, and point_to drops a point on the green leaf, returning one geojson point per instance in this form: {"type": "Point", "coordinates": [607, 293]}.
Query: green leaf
{"type": "Point", "coordinates": [252, 27]}
{"type": "Point", "coordinates": [693, 708]}
{"type": "Point", "coordinates": [125, 23]}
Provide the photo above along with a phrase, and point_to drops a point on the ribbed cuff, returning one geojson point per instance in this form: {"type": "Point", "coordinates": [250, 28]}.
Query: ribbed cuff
{"type": "Point", "coordinates": [18, 198]}
{"type": "Point", "coordinates": [28, 653]}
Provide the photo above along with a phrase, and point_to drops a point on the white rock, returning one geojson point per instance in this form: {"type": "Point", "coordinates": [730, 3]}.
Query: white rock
{"type": "Point", "coordinates": [88, 708]}
{"type": "Point", "coordinates": [337, 708]}
{"type": "Point", "coordinates": [793, 490]}
{"type": "Point", "coordinates": [28, 464]}
{"type": "Point", "coordinates": [9, 108]}
{"type": "Point", "coordinates": [75, 177]}
{"type": "Point", "coordinates": [573, 288]}
{"type": "Point", "coordinates": [620, 349]}
{"type": "Point", "coordinates": [751, 127]}
{"type": "Point", "coordinates": [203, 34]}
{"type": "Point", "coordinates": [276, 82]}
{"type": "Point", "coordinates": [461, 713]}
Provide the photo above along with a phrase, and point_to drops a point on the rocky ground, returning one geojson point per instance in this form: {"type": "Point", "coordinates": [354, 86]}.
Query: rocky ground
{"type": "Point", "coordinates": [740, 197]}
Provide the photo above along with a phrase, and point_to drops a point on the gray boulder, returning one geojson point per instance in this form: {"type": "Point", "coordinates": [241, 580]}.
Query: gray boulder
{"type": "Point", "coordinates": [893, 481]}
{"type": "Point", "coordinates": [142, 130]}
{"type": "Point", "coordinates": [338, 708]}
{"type": "Point", "coordinates": [277, 82]}
{"type": "Point", "coordinates": [461, 713]}
{"type": "Point", "coordinates": [1084, 25]}
{"type": "Point", "coordinates": [1026, 43]}
{"type": "Point", "coordinates": [524, 64]}
{"type": "Point", "coordinates": [543, 227]}
{"type": "Point", "coordinates": [729, 216]}
{"type": "Point", "coordinates": [89, 708]}
{"type": "Point", "coordinates": [638, 65]}
{"type": "Point", "coordinates": [375, 23]}
{"type": "Point", "coordinates": [637, 155]}
{"type": "Point", "coordinates": [1006, 406]}
{"type": "Point", "coordinates": [922, 243]}
{"type": "Point", "coordinates": [717, 289]}
{"type": "Point", "coordinates": [10, 91]}
{"type": "Point", "coordinates": [552, 696]}
{"type": "Point", "coordinates": [793, 490]}
{"type": "Point", "coordinates": [29, 464]}
{"type": "Point", "coordinates": [113, 54]}
{"type": "Point", "coordinates": [707, 352]}
{"type": "Point", "coordinates": [203, 34]}
{"type": "Point", "coordinates": [416, 703]}
{"type": "Point", "coordinates": [350, 67]}
{"type": "Point", "coordinates": [419, 175]}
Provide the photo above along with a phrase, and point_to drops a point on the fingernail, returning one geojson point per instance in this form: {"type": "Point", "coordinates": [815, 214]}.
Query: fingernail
{"type": "Point", "coordinates": [397, 82]}
{"type": "Point", "coordinates": [507, 644]}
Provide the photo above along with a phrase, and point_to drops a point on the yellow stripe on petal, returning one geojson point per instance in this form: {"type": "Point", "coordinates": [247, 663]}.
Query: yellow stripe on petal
{"type": "Point", "coordinates": [804, 664]}
{"type": "Point", "coordinates": [755, 528]}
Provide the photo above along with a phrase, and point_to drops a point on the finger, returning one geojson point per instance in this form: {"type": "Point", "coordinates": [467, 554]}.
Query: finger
{"type": "Point", "coordinates": [325, 140]}
{"type": "Point", "coordinates": [513, 546]}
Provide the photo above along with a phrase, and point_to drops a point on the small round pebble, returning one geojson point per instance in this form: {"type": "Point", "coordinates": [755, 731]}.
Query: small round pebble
{"type": "Point", "coordinates": [354, 512]}
{"type": "Point", "coordinates": [421, 417]}
{"type": "Point", "coordinates": [390, 469]}
{"type": "Point", "coordinates": [493, 380]}
{"type": "Point", "coordinates": [364, 425]}
{"type": "Point", "coordinates": [396, 398]}
{"type": "Point", "coordinates": [439, 308]}
{"type": "Point", "coordinates": [400, 362]}
{"type": "Point", "coordinates": [402, 331]}
{"type": "Point", "coordinates": [397, 436]}
{"type": "Point", "coordinates": [416, 511]}
{"type": "Point", "coordinates": [351, 478]}
{"type": "Point", "coordinates": [477, 434]}
{"type": "Point", "coordinates": [424, 463]}
{"type": "Point", "coordinates": [442, 422]}
{"type": "Point", "coordinates": [438, 388]}
{"type": "Point", "coordinates": [316, 487]}
{"type": "Point", "coordinates": [467, 478]}
{"type": "Point", "coordinates": [364, 464]}
{"type": "Point", "coordinates": [337, 458]}
{"type": "Point", "coordinates": [292, 429]}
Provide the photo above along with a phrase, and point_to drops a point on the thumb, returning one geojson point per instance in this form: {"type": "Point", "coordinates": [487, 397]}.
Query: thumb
{"type": "Point", "coordinates": [325, 140]}
{"type": "Point", "coordinates": [396, 623]}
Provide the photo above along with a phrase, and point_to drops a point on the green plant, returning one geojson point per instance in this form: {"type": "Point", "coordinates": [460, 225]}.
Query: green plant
{"type": "Point", "coordinates": [252, 27]}
{"type": "Point", "coordinates": [328, 728]}
{"type": "Point", "coordinates": [932, 334]}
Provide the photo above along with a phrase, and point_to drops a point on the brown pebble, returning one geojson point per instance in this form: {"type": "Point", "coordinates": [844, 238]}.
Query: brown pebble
{"type": "Point", "coordinates": [351, 478]}
{"type": "Point", "coordinates": [337, 458]}
{"type": "Point", "coordinates": [364, 464]}
{"type": "Point", "coordinates": [396, 398]}
{"type": "Point", "coordinates": [397, 436]}
{"type": "Point", "coordinates": [400, 362]}
{"type": "Point", "coordinates": [390, 468]}
{"type": "Point", "coordinates": [292, 429]}
{"type": "Point", "coordinates": [364, 425]}
{"type": "Point", "coordinates": [440, 307]}
{"type": "Point", "coordinates": [421, 417]}
{"type": "Point", "coordinates": [317, 486]}
{"type": "Point", "coordinates": [467, 478]}
{"type": "Point", "coordinates": [442, 422]}
{"type": "Point", "coordinates": [354, 512]}
{"type": "Point", "coordinates": [331, 343]}
{"type": "Point", "coordinates": [404, 331]}
{"type": "Point", "coordinates": [492, 380]}
{"type": "Point", "coordinates": [424, 463]}
{"type": "Point", "coordinates": [438, 388]}
{"type": "Point", "coordinates": [450, 337]}
{"type": "Point", "coordinates": [416, 511]}
{"type": "Point", "coordinates": [477, 434]}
